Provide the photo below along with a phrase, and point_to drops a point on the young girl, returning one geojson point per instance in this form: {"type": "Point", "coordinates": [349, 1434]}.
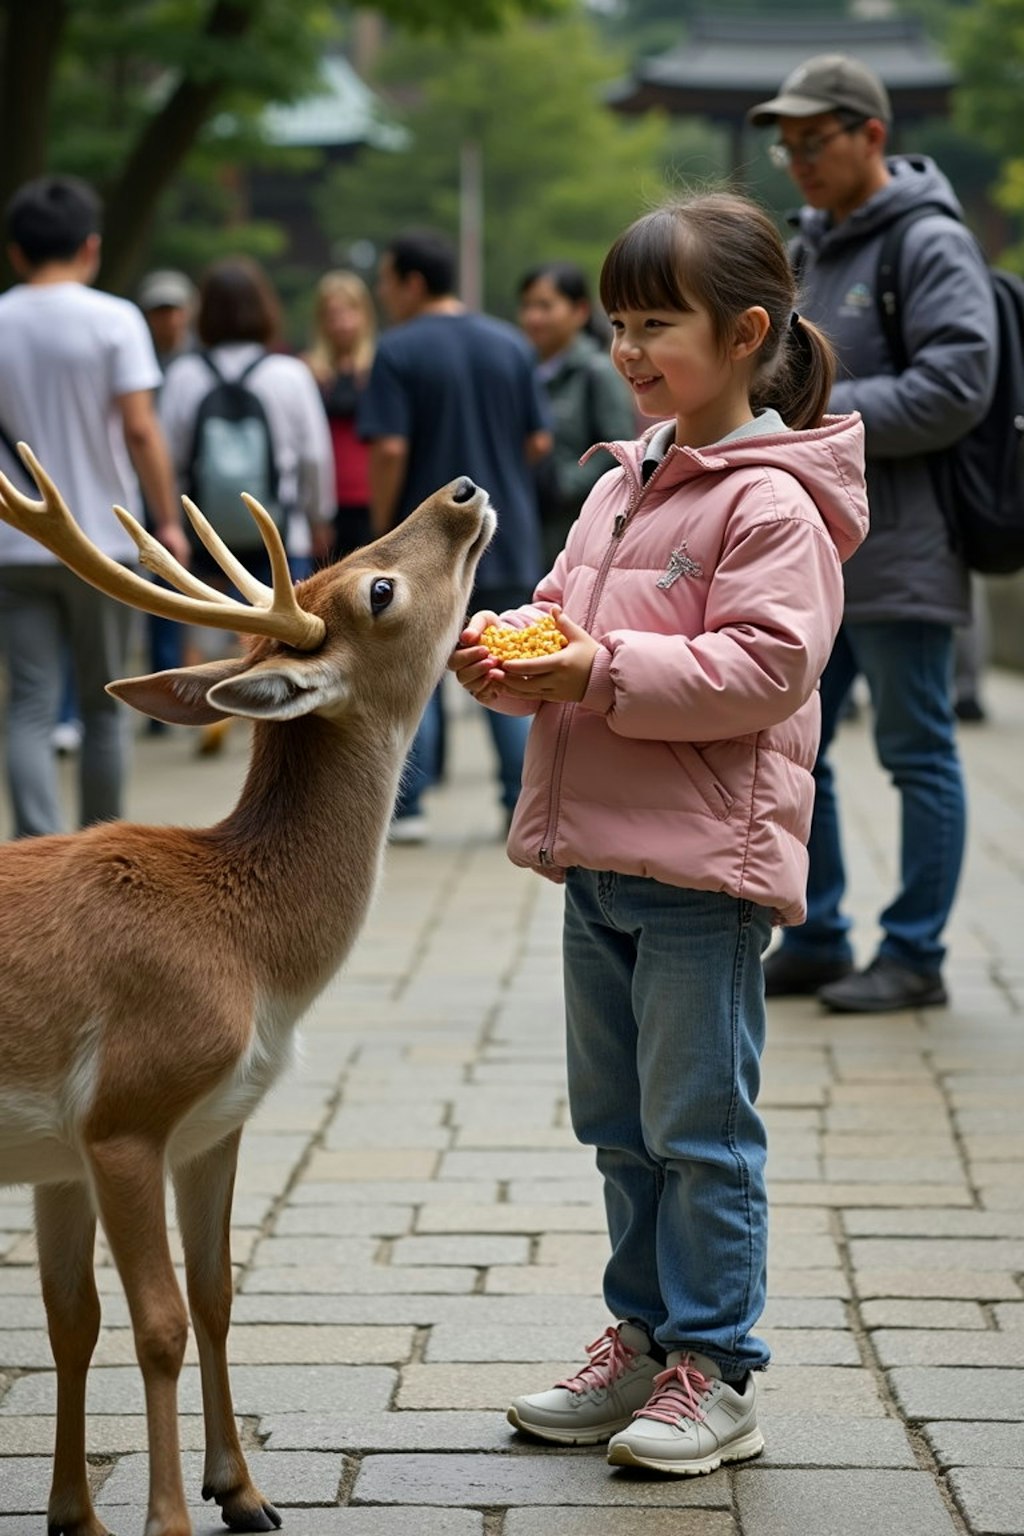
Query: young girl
{"type": "Point", "coordinates": [668, 783]}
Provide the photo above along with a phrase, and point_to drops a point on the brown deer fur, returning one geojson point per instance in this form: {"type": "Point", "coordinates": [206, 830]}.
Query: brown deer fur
{"type": "Point", "coordinates": [151, 978]}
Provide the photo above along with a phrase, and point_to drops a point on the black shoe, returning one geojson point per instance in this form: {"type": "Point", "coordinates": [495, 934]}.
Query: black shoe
{"type": "Point", "coordinates": [792, 975]}
{"type": "Point", "coordinates": [884, 987]}
{"type": "Point", "coordinates": [970, 711]}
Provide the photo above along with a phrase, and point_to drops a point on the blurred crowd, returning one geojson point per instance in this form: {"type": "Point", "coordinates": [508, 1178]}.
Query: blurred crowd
{"type": "Point", "coordinates": [337, 440]}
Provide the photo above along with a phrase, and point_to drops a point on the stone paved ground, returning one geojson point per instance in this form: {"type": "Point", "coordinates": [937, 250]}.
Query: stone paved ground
{"type": "Point", "coordinates": [418, 1237]}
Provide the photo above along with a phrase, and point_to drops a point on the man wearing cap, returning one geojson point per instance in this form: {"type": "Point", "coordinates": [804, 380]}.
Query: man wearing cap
{"type": "Point", "coordinates": [167, 299]}
{"type": "Point", "coordinates": [906, 588]}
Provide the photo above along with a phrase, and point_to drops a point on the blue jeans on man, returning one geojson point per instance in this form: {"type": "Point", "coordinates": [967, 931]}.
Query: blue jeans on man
{"type": "Point", "coordinates": [908, 666]}
{"type": "Point", "coordinates": [508, 732]}
{"type": "Point", "coordinates": [47, 613]}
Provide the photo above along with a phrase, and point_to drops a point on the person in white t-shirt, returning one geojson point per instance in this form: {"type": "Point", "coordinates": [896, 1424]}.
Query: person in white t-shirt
{"type": "Point", "coordinates": [77, 374]}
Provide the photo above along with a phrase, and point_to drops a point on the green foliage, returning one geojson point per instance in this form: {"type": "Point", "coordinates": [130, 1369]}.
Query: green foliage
{"type": "Point", "coordinates": [561, 174]}
{"type": "Point", "coordinates": [122, 58]}
{"type": "Point", "coordinates": [988, 46]}
{"type": "Point", "coordinates": [454, 17]}
{"type": "Point", "coordinates": [124, 91]}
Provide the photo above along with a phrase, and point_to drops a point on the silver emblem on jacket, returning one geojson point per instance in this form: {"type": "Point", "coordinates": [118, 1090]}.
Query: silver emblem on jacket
{"type": "Point", "coordinates": [679, 564]}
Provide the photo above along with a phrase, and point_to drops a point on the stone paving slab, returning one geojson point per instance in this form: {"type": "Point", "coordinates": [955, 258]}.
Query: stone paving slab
{"type": "Point", "coordinates": [976, 1445]}
{"type": "Point", "coordinates": [25, 1485]}
{"type": "Point", "coordinates": [926, 1393]}
{"type": "Point", "coordinates": [838, 1503]}
{"type": "Point", "coordinates": [991, 1500]}
{"type": "Point", "coordinates": [805, 1440]}
{"type": "Point", "coordinates": [963, 1224]}
{"type": "Point", "coordinates": [440, 1430]}
{"type": "Point", "coordinates": [948, 1347]}
{"type": "Point", "coordinates": [106, 1434]}
{"type": "Point", "coordinates": [284, 1477]}
{"type": "Point", "coordinates": [609, 1522]}
{"type": "Point", "coordinates": [116, 1389]}
{"type": "Point", "coordinates": [549, 1478]}
{"type": "Point", "coordinates": [891, 1313]}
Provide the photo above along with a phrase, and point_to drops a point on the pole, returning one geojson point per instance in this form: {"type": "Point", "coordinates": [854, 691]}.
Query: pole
{"type": "Point", "coordinates": [471, 223]}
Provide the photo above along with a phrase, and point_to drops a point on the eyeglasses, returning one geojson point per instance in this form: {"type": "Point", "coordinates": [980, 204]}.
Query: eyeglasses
{"type": "Point", "coordinates": [808, 150]}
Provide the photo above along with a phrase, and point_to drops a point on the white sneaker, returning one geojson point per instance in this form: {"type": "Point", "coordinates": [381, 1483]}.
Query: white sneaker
{"type": "Point", "coordinates": [691, 1423]}
{"type": "Point", "coordinates": [585, 1409]}
{"type": "Point", "coordinates": [408, 829]}
{"type": "Point", "coordinates": [66, 737]}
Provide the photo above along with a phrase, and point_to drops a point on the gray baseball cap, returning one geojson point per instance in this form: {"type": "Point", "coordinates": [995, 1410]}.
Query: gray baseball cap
{"type": "Point", "coordinates": [165, 289]}
{"type": "Point", "coordinates": [829, 82]}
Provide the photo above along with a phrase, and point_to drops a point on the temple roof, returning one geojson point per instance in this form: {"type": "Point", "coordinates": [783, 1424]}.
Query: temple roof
{"type": "Point", "coordinates": [726, 65]}
{"type": "Point", "coordinates": [343, 110]}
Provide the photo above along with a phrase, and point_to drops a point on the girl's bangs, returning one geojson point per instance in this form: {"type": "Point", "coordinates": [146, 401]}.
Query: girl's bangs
{"type": "Point", "coordinates": [641, 271]}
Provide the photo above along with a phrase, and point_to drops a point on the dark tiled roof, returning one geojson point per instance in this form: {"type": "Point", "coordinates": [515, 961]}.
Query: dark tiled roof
{"type": "Point", "coordinates": [727, 65]}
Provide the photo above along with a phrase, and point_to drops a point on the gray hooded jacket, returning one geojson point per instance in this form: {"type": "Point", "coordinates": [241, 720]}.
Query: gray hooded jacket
{"type": "Point", "coordinates": [905, 569]}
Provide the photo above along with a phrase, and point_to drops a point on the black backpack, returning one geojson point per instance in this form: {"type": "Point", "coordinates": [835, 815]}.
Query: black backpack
{"type": "Point", "coordinates": [233, 451]}
{"type": "Point", "coordinates": [979, 480]}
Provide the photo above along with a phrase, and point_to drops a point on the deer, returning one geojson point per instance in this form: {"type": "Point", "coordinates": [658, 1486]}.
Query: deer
{"type": "Point", "coordinates": [151, 978]}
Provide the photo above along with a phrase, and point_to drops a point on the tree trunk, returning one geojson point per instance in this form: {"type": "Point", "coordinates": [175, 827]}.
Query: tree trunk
{"type": "Point", "coordinates": [32, 38]}
{"type": "Point", "coordinates": [159, 152]}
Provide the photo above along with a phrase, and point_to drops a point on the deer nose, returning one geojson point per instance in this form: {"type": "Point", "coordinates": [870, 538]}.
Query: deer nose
{"type": "Point", "coordinates": [464, 490]}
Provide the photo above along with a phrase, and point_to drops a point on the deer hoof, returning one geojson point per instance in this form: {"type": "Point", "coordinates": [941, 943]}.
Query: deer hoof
{"type": "Point", "coordinates": [245, 1509]}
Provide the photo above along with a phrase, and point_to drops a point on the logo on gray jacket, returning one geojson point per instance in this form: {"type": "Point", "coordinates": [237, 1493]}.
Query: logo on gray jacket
{"type": "Point", "coordinates": [679, 564]}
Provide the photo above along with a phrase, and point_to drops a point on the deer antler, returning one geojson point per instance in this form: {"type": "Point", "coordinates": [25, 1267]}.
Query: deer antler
{"type": "Point", "coordinates": [275, 613]}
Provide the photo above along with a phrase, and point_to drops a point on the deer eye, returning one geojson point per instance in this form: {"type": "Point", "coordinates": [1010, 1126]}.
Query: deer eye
{"type": "Point", "coordinates": [381, 592]}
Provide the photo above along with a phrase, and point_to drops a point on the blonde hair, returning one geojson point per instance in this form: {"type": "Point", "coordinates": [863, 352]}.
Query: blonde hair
{"type": "Point", "coordinates": [342, 284]}
{"type": "Point", "coordinates": [722, 252]}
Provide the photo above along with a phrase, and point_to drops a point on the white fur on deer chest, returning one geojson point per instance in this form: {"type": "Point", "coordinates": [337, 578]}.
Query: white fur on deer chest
{"type": "Point", "coordinates": [40, 1131]}
{"type": "Point", "coordinates": [231, 1103]}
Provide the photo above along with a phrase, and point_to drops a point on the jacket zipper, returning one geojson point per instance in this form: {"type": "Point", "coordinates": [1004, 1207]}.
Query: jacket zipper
{"type": "Point", "coordinates": [619, 526]}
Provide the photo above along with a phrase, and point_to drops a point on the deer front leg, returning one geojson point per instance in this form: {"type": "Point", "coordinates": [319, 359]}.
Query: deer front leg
{"type": "Point", "coordinates": [203, 1190]}
{"type": "Point", "coordinates": [128, 1178]}
{"type": "Point", "coordinates": [66, 1236]}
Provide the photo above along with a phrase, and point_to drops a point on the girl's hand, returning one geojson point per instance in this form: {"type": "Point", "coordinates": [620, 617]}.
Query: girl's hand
{"type": "Point", "coordinates": [561, 678]}
{"type": "Point", "coordinates": [472, 662]}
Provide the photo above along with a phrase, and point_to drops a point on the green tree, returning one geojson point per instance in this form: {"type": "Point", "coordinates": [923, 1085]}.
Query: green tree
{"type": "Point", "coordinates": [988, 46]}
{"type": "Point", "coordinates": [125, 88]}
{"type": "Point", "coordinates": [561, 173]}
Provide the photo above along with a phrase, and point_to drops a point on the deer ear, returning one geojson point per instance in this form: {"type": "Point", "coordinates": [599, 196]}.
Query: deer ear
{"type": "Point", "coordinates": [179, 697]}
{"type": "Point", "coordinates": [276, 690]}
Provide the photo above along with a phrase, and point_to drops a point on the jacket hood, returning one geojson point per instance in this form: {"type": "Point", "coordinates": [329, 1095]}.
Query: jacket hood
{"type": "Point", "coordinates": [828, 461]}
{"type": "Point", "coordinates": [914, 179]}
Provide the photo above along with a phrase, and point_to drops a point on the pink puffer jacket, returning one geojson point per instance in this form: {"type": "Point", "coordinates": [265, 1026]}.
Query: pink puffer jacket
{"type": "Point", "coordinates": [716, 593]}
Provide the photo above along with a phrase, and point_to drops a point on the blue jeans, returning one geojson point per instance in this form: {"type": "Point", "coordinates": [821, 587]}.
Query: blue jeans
{"type": "Point", "coordinates": [908, 666]}
{"type": "Point", "coordinates": [665, 1015]}
{"type": "Point", "coordinates": [47, 613]}
{"type": "Point", "coordinates": [508, 732]}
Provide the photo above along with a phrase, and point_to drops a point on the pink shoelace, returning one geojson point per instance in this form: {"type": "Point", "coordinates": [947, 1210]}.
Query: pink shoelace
{"type": "Point", "coordinates": [678, 1394]}
{"type": "Point", "coordinates": [609, 1357]}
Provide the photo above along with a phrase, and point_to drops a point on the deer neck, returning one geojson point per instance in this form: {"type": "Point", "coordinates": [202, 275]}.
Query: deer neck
{"type": "Point", "coordinates": [307, 835]}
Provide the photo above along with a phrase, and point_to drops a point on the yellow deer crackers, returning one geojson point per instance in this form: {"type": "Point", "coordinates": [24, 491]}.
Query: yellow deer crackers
{"type": "Point", "coordinates": [508, 644]}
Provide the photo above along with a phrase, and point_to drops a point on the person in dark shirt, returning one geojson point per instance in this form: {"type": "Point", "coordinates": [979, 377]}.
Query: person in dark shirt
{"type": "Point", "coordinates": [453, 393]}
{"type": "Point", "coordinates": [589, 403]}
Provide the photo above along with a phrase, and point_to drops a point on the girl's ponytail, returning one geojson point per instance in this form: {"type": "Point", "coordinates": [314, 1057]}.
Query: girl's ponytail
{"type": "Point", "coordinates": [799, 384]}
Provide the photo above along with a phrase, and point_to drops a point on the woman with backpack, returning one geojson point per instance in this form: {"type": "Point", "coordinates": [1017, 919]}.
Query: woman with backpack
{"type": "Point", "coordinates": [241, 416]}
